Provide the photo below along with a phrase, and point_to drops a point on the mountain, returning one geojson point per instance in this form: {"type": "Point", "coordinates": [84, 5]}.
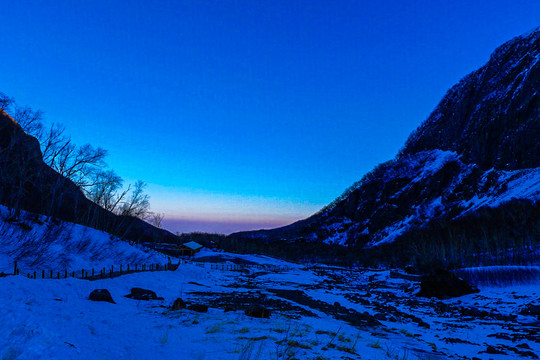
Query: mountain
{"type": "Point", "coordinates": [464, 189]}
{"type": "Point", "coordinates": [27, 183]}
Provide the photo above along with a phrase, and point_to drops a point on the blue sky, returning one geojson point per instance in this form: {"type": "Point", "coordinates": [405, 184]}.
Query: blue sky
{"type": "Point", "coordinates": [246, 114]}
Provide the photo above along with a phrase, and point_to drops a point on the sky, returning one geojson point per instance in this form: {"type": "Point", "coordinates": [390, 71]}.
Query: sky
{"type": "Point", "coordinates": [242, 115]}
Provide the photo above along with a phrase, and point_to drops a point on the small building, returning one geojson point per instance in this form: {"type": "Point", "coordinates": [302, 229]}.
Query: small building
{"type": "Point", "coordinates": [189, 248]}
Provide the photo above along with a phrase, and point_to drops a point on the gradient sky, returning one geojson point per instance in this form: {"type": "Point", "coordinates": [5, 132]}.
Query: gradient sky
{"type": "Point", "coordinates": [246, 114]}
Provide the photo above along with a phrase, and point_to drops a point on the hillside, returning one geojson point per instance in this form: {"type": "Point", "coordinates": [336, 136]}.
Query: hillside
{"type": "Point", "coordinates": [27, 183]}
{"type": "Point", "coordinates": [463, 190]}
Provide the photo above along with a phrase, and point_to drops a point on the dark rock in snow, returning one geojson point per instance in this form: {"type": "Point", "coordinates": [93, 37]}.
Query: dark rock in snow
{"type": "Point", "coordinates": [143, 294]}
{"type": "Point", "coordinates": [531, 309]}
{"type": "Point", "coordinates": [258, 311]}
{"type": "Point", "coordinates": [198, 308]}
{"type": "Point", "coordinates": [473, 312]}
{"type": "Point", "coordinates": [492, 350]}
{"type": "Point", "coordinates": [443, 284]}
{"type": "Point", "coordinates": [101, 295]}
{"type": "Point", "coordinates": [178, 304]}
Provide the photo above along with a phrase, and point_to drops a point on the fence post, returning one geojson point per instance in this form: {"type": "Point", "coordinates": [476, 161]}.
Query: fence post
{"type": "Point", "coordinates": [66, 275]}
{"type": "Point", "coordinates": [92, 272]}
{"type": "Point", "coordinates": [120, 269]}
{"type": "Point", "coordinates": [43, 274]}
{"type": "Point", "coordinates": [58, 275]}
{"type": "Point", "coordinates": [111, 272]}
{"type": "Point", "coordinates": [15, 269]}
{"type": "Point", "coordinates": [51, 274]}
{"type": "Point", "coordinates": [127, 267]}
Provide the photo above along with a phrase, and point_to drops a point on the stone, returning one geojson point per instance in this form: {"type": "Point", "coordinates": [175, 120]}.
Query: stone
{"type": "Point", "coordinates": [198, 308]}
{"type": "Point", "coordinates": [143, 294]}
{"type": "Point", "coordinates": [258, 311]}
{"type": "Point", "coordinates": [178, 304]}
{"type": "Point", "coordinates": [101, 295]}
{"type": "Point", "coordinates": [443, 284]}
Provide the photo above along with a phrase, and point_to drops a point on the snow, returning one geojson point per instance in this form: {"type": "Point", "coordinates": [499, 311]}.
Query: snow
{"type": "Point", "coordinates": [53, 319]}
{"type": "Point", "coordinates": [518, 184]}
{"type": "Point", "coordinates": [64, 246]}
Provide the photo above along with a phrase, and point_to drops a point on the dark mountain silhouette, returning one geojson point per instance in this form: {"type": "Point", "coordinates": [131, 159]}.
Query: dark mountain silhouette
{"type": "Point", "coordinates": [27, 183]}
{"type": "Point", "coordinates": [463, 190]}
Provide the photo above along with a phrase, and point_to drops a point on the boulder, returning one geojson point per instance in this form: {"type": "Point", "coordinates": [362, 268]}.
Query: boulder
{"type": "Point", "coordinates": [101, 295]}
{"type": "Point", "coordinates": [143, 294]}
{"type": "Point", "coordinates": [258, 311]}
{"type": "Point", "coordinates": [178, 304]}
{"type": "Point", "coordinates": [443, 284]}
{"type": "Point", "coordinates": [531, 309]}
{"type": "Point", "coordinates": [198, 308]}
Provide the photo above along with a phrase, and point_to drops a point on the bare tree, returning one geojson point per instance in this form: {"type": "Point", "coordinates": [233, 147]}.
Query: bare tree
{"type": "Point", "coordinates": [5, 101]}
{"type": "Point", "coordinates": [138, 204]}
{"type": "Point", "coordinates": [106, 190]}
{"type": "Point", "coordinates": [156, 219]}
{"type": "Point", "coordinates": [30, 121]}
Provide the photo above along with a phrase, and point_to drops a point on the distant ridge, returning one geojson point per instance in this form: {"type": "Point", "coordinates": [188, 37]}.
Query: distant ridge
{"type": "Point", "coordinates": [463, 190]}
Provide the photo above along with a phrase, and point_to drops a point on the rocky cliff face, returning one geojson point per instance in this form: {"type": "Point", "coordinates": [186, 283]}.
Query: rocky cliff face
{"type": "Point", "coordinates": [27, 183]}
{"type": "Point", "coordinates": [475, 160]}
{"type": "Point", "coordinates": [491, 117]}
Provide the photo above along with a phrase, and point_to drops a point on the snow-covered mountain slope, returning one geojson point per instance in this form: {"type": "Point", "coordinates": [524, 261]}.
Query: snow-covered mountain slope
{"type": "Point", "coordinates": [468, 179]}
{"type": "Point", "coordinates": [61, 246]}
{"type": "Point", "coordinates": [316, 313]}
{"type": "Point", "coordinates": [492, 116]}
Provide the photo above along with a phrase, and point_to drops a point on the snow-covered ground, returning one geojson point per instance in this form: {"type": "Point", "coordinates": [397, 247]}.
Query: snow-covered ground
{"type": "Point", "coordinates": [317, 313]}
{"type": "Point", "coordinates": [60, 246]}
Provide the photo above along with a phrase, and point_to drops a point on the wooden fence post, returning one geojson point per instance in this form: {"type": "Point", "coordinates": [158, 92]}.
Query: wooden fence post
{"type": "Point", "coordinates": [120, 269]}
{"type": "Point", "coordinates": [127, 267]}
{"type": "Point", "coordinates": [51, 274]}
{"type": "Point", "coordinates": [66, 275]}
{"type": "Point", "coordinates": [73, 274]}
{"type": "Point", "coordinates": [58, 275]}
{"type": "Point", "coordinates": [111, 272]}
{"type": "Point", "coordinates": [92, 272]}
{"type": "Point", "coordinates": [43, 274]}
{"type": "Point", "coordinates": [15, 269]}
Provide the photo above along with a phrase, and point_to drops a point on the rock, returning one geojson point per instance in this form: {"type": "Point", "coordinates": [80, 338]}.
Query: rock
{"type": "Point", "coordinates": [473, 312]}
{"type": "Point", "coordinates": [178, 304]}
{"type": "Point", "coordinates": [258, 311]}
{"type": "Point", "coordinates": [530, 309]}
{"type": "Point", "coordinates": [198, 308]}
{"type": "Point", "coordinates": [101, 295]}
{"type": "Point", "coordinates": [491, 350]}
{"type": "Point", "coordinates": [337, 304]}
{"type": "Point", "coordinates": [443, 284]}
{"type": "Point", "coordinates": [143, 294]}
{"type": "Point", "coordinates": [228, 308]}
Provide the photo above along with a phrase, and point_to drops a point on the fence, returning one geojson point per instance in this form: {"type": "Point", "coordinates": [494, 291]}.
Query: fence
{"type": "Point", "coordinates": [239, 267]}
{"type": "Point", "coordinates": [95, 274]}
{"type": "Point", "coordinates": [109, 273]}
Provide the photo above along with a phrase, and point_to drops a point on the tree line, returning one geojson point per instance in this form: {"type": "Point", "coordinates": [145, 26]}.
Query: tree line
{"type": "Point", "coordinates": [84, 165]}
